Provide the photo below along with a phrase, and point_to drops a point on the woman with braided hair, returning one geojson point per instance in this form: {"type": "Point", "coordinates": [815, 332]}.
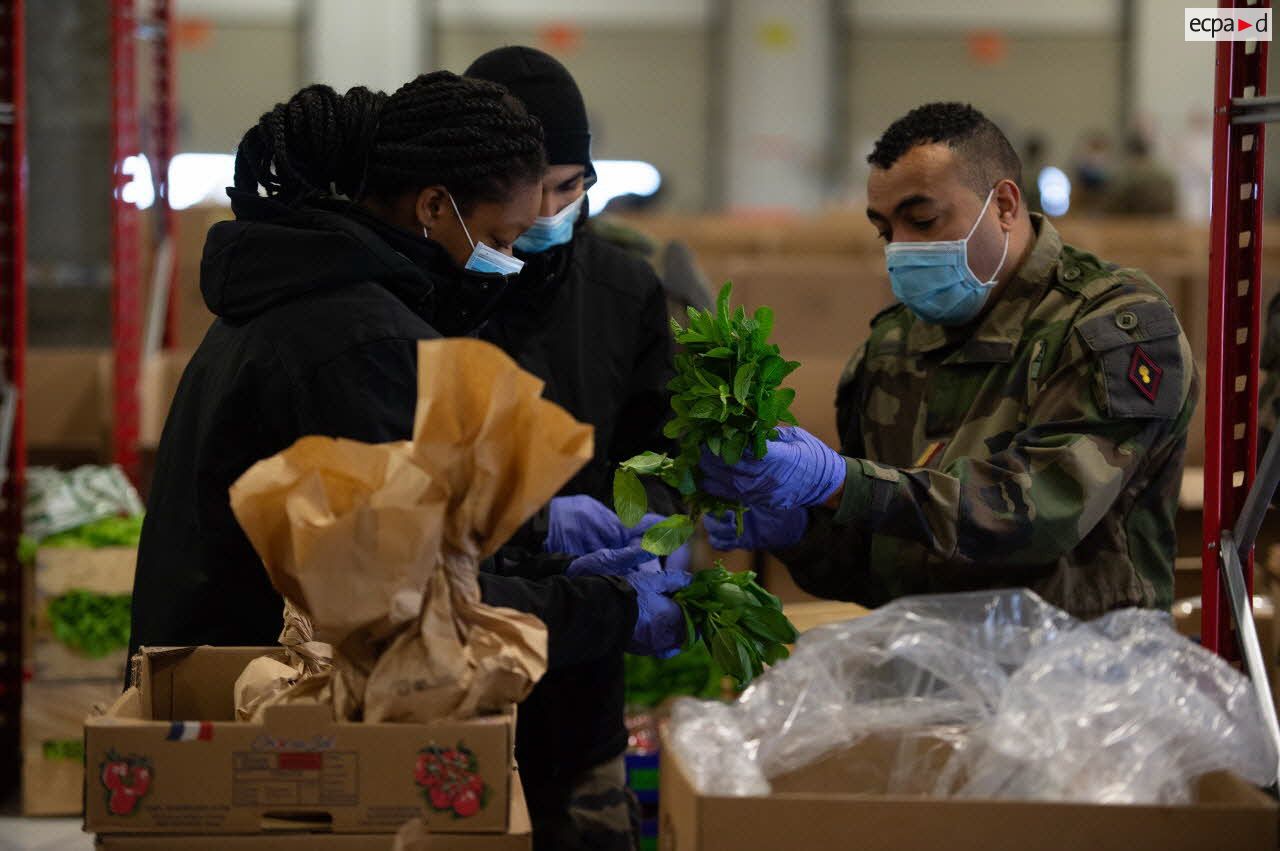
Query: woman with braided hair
{"type": "Point", "coordinates": [364, 223]}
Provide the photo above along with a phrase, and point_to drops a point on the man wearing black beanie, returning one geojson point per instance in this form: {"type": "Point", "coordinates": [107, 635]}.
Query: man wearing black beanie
{"type": "Point", "coordinates": [590, 320]}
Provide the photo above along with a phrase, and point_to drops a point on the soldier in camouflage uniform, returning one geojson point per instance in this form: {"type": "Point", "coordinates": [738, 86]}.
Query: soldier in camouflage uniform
{"type": "Point", "coordinates": [1025, 428]}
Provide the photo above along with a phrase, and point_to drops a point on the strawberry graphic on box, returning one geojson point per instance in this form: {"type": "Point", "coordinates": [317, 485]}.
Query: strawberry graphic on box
{"type": "Point", "coordinates": [450, 780]}
{"type": "Point", "coordinates": [127, 779]}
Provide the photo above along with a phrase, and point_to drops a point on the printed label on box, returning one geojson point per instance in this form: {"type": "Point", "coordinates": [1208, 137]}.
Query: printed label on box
{"type": "Point", "coordinates": [305, 778]}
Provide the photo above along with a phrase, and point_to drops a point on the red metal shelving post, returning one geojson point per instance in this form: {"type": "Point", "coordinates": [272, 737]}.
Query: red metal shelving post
{"type": "Point", "coordinates": [13, 343]}
{"type": "Point", "coordinates": [164, 110]}
{"type": "Point", "coordinates": [125, 318]}
{"type": "Point", "coordinates": [1235, 293]}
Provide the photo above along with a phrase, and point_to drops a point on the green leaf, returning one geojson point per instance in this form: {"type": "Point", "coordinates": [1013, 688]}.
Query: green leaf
{"type": "Point", "coordinates": [764, 318]}
{"type": "Point", "coordinates": [706, 409]}
{"type": "Point", "coordinates": [666, 537]}
{"type": "Point", "coordinates": [690, 633]}
{"type": "Point", "coordinates": [734, 447]}
{"type": "Point", "coordinates": [785, 397]}
{"type": "Point", "coordinates": [767, 412]}
{"type": "Point", "coordinates": [629, 498]}
{"type": "Point", "coordinates": [775, 653]}
{"type": "Point", "coordinates": [770, 624]}
{"type": "Point", "coordinates": [772, 370]}
{"type": "Point", "coordinates": [713, 443]}
{"type": "Point", "coordinates": [761, 445]}
{"type": "Point", "coordinates": [725, 654]}
{"type": "Point", "coordinates": [719, 352]}
{"type": "Point", "coordinates": [763, 596]}
{"type": "Point", "coordinates": [646, 463]}
{"type": "Point", "coordinates": [722, 302]}
{"type": "Point", "coordinates": [674, 428]}
{"type": "Point", "coordinates": [742, 382]}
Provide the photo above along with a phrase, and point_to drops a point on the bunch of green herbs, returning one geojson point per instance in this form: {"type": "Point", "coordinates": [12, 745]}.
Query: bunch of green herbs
{"type": "Point", "coordinates": [726, 396]}
{"type": "Point", "coordinates": [739, 622]}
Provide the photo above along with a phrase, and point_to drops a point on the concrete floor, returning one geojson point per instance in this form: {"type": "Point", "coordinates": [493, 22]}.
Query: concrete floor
{"type": "Point", "coordinates": [40, 834]}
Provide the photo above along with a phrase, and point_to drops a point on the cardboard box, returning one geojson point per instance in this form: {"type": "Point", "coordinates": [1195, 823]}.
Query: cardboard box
{"type": "Point", "coordinates": [200, 771]}
{"type": "Point", "coordinates": [70, 393]}
{"type": "Point", "coordinates": [68, 401]}
{"type": "Point", "coordinates": [517, 838]}
{"type": "Point", "coordinates": [53, 717]}
{"type": "Point", "coordinates": [838, 803]}
{"type": "Point", "coordinates": [807, 616]}
{"type": "Point", "coordinates": [57, 570]}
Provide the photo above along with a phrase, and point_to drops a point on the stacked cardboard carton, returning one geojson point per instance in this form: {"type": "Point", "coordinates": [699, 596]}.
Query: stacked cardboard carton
{"type": "Point", "coordinates": [66, 682]}
{"type": "Point", "coordinates": [169, 766]}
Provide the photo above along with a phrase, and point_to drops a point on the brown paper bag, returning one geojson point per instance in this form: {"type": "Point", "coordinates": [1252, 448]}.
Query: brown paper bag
{"type": "Point", "coordinates": [379, 546]}
{"type": "Point", "coordinates": [307, 678]}
{"type": "Point", "coordinates": [348, 532]}
{"type": "Point", "coordinates": [487, 438]}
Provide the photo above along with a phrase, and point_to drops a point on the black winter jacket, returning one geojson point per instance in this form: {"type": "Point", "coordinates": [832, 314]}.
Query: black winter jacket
{"type": "Point", "coordinates": [320, 310]}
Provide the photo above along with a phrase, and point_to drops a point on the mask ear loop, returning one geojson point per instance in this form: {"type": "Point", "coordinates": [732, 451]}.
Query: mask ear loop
{"type": "Point", "coordinates": [464, 224]}
{"type": "Point", "coordinates": [1003, 254]}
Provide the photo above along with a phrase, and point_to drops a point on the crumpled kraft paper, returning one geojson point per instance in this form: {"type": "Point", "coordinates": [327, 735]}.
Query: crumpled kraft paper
{"type": "Point", "coordinates": [379, 546]}
{"type": "Point", "coordinates": [307, 678]}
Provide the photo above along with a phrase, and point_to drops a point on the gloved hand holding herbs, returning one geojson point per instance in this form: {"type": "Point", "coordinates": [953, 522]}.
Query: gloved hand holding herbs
{"type": "Point", "coordinates": [727, 400]}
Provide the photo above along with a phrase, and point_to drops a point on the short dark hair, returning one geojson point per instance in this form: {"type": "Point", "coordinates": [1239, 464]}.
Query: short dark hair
{"type": "Point", "coordinates": [987, 154]}
{"type": "Point", "coordinates": [471, 136]}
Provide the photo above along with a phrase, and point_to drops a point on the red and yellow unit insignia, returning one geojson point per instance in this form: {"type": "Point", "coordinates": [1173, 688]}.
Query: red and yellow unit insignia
{"type": "Point", "coordinates": [1145, 374]}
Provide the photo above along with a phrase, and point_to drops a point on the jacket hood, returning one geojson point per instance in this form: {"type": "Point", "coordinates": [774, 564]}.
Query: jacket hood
{"type": "Point", "coordinates": [272, 253]}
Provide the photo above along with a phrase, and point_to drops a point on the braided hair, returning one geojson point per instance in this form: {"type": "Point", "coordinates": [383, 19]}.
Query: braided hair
{"type": "Point", "coordinates": [470, 136]}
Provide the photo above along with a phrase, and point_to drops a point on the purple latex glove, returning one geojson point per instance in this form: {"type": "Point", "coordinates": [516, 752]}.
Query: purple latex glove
{"type": "Point", "coordinates": [659, 629]}
{"type": "Point", "coordinates": [578, 525]}
{"type": "Point", "coordinates": [762, 529]}
{"type": "Point", "coordinates": [614, 562]}
{"type": "Point", "coordinates": [679, 560]}
{"type": "Point", "coordinates": [798, 470]}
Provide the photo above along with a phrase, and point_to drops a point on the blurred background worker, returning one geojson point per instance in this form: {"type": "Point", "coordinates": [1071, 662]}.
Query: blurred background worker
{"type": "Point", "coordinates": [590, 319]}
{"type": "Point", "coordinates": [1018, 419]}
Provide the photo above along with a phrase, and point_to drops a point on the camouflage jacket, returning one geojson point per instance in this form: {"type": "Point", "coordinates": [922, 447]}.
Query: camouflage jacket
{"type": "Point", "coordinates": [1042, 448]}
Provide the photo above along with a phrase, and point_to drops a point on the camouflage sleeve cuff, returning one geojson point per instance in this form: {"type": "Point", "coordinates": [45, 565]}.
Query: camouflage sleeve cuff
{"type": "Point", "coordinates": [868, 488]}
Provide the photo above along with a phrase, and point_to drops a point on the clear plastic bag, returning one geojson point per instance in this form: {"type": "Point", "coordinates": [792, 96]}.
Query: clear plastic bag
{"type": "Point", "coordinates": [1037, 705]}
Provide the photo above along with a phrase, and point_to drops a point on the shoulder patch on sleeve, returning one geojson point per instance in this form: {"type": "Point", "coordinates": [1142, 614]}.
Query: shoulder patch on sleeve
{"type": "Point", "coordinates": [1138, 359]}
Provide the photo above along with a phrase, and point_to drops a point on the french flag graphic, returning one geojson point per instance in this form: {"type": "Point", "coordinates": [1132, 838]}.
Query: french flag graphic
{"type": "Point", "coordinates": [190, 731]}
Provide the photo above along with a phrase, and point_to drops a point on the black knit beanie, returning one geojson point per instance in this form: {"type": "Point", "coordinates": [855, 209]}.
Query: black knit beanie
{"type": "Point", "coordinates": [549, 93]}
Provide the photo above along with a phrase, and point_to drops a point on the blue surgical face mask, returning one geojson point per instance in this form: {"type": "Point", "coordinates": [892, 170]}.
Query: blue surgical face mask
{"type": "Point", "coordinates": [934, 280]}
{"type": "Point", "coordinates": [483, 258]}
{"type": "Point", "coordinates": [549, 231]}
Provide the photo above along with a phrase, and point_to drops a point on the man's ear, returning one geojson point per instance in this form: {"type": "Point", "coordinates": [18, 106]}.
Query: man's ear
{"type": "Point", "coordinates": [432, 206]}
{"type": "Point", "coordinates": [1008, 201]}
